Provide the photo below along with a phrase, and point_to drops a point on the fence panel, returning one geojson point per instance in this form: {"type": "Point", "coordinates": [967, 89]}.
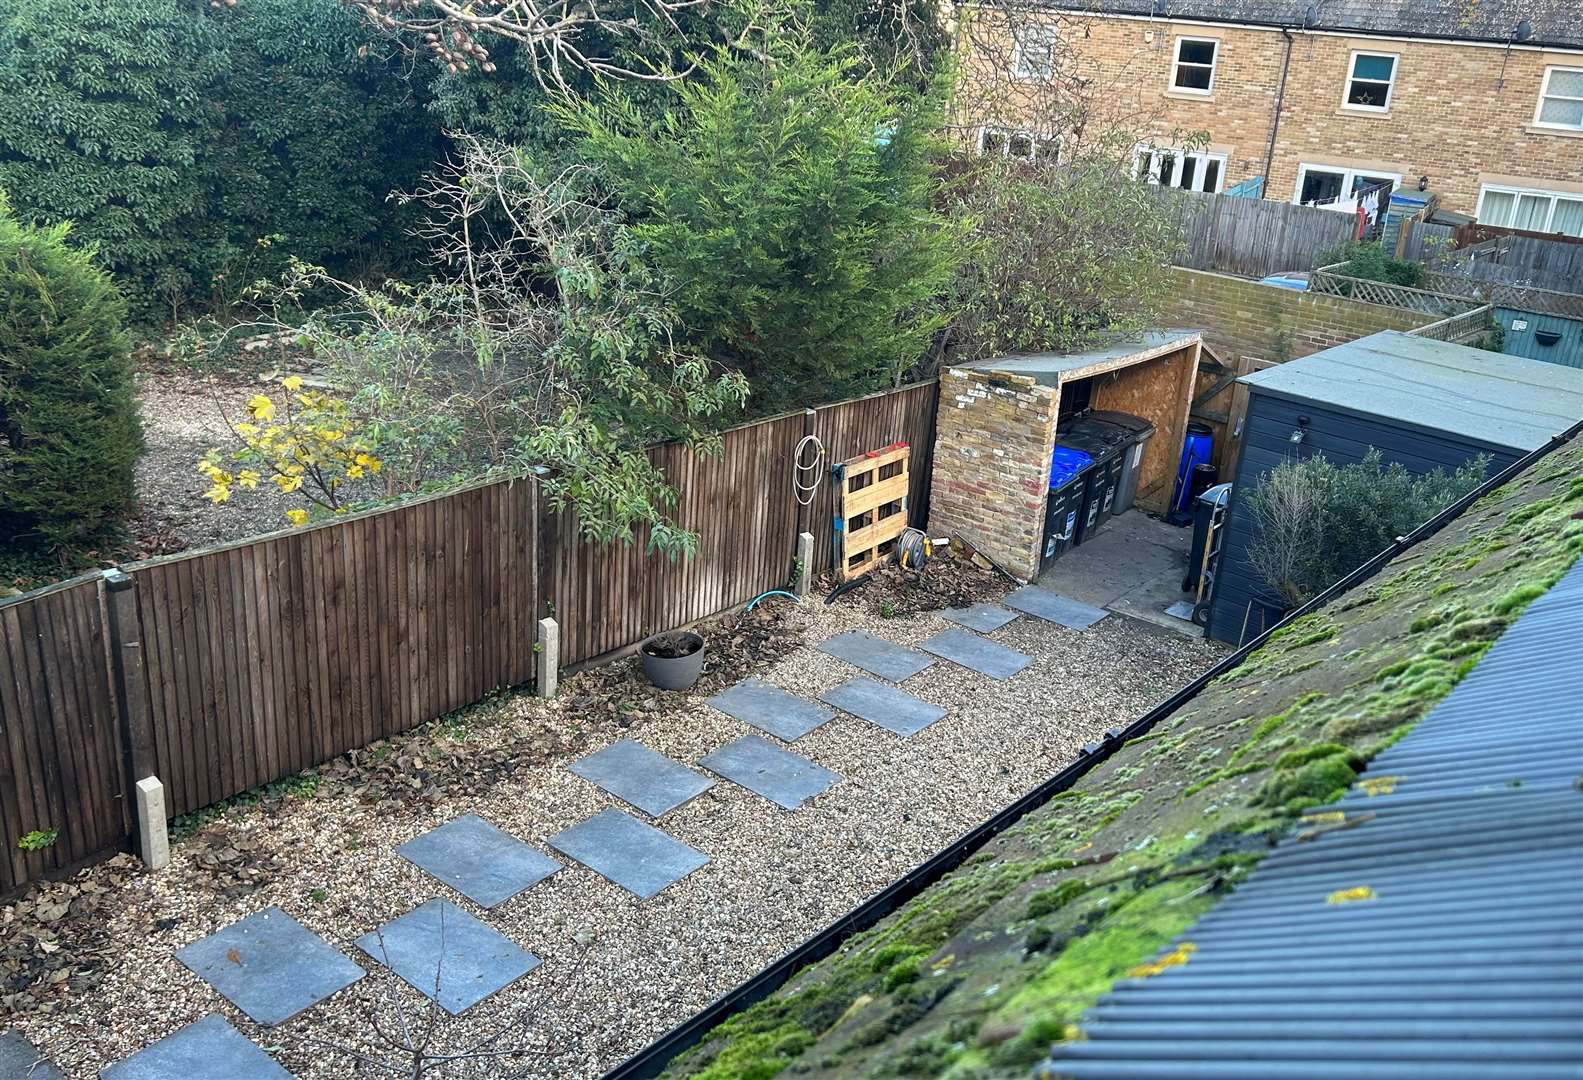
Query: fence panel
{"type": "Point", "coordinates": [270, 656]}
{"type": "Point", "coordinates": [1257, 237]}
{"type": "Point", "coordinates": [60, 749]}
{"type": "Point", "coordinates": [740, 504]}
{"type": "Point", "coordinates": [1260, 237]}
{"type": "Point", "coordinates": [856, 427]}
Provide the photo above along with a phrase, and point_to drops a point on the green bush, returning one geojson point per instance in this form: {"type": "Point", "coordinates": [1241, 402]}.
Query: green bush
{"type": "Point", "coordinates": [176, 138]}
{"type": "Point", "coordinates": [1370, 261]}
{"type": "Point", "coordinates": [1315, 522]}
{"type": "Point", "coordinates": [103, 109]}
{"type": "Point", "coordinates": [69, 430]}
{"type": "Point", "coordinates": [790, 197]}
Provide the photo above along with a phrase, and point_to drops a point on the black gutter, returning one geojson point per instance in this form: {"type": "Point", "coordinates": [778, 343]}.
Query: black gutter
{"type": "Point", "coordinates": [653, 1059]}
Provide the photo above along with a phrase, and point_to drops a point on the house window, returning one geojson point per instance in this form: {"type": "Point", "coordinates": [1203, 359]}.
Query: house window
{"type": "Point", "coordinates": [1009, 142]}
{"type": "Point", "coordinates": [1369, 82]}
{"type": "Point", "coordinates": [1194, 69]}
{"type": "Point", "coordinates": [1535, 210]}
{"type": "Point", "coordinates": [1190, 170]}
{"type": "Point", "coordinates": [1561, 99]}
{"type": "Point", "coordinates": [1324, 185]}
{"type": "Point", "coordinates": [1033, 56]}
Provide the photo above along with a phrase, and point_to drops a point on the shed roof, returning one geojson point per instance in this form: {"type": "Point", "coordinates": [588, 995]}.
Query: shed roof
{"type": "Point", "coordinates": [1486, 398]}
{"type": "Point", "coordinates": [1553, 22]}
{"type": "Point", "coordinates": [1053, 368]}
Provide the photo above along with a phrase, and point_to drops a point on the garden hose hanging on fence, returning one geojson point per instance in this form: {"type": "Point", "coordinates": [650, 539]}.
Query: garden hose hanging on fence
{"type": "Point", "coordinates": [804, 493]}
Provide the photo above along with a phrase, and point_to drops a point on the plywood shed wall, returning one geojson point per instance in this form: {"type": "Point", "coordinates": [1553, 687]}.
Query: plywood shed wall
{"type": "Point", "coordinates": [1160, 391]}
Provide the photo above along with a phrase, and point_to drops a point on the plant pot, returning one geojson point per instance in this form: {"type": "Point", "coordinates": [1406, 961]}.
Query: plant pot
{"type": "Point", "coordinates": [673, 672]}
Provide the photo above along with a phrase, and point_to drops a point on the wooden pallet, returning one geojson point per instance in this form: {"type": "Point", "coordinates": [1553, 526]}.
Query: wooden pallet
{"type": "Point", "coordinates": [872, 511]}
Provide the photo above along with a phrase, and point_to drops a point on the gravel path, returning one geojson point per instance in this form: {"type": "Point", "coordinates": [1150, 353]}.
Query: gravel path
{"type": "Point", "coordinates": [618, 972]}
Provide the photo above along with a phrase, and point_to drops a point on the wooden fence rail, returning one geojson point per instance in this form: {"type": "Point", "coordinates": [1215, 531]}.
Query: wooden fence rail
{"type": "Point", "coordinates": [228, 668]}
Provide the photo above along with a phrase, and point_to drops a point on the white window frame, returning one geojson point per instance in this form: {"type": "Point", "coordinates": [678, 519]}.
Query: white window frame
{"type": "Point", "coordinates": [1049, 35]}
{"type": "Point", "coordinates": [1518, 192]}
{"type": "Point", "coordinates": [1042, 144]}
{"type": "Point", "coordinates": [1544, 92]}
{"type": "Point", "coordinates": [1176, 66]}
{"type": "Point", "coordinates": [1146, 165]}
{"type": "Point", "coordinates": [1349, 176]}
{"type": "Point", "coordinates": [1390, 85]}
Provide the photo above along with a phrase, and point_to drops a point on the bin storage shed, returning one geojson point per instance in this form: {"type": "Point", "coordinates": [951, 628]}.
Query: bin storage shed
{"type": "Point", "coordinates": [1427, 404]}
{"type": "Point", "coordinates": [997, 426]}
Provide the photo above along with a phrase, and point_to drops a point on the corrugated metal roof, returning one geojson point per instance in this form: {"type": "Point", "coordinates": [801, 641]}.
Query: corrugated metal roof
{"type": "Point", "coordinates": [1050, 368]}
{"type": "Point", "coordinates": [1499, 400]}
{"type": "Point", "coordinates": [1552, 21]}
{"type": "Point", "coordinates": [1466, 960]}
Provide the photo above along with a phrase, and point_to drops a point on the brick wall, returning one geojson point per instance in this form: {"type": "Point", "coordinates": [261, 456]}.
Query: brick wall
{"type": "Point", "coordinates": [1240, 317]}
{"type": "Point", "coordinates": [1461, 114]}
{"type": "Point", "coordinates": [994, 434]}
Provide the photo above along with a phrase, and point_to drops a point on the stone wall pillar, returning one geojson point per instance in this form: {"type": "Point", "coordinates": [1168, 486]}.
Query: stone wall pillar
{"type": "Point", "coordinates": [994, 434]}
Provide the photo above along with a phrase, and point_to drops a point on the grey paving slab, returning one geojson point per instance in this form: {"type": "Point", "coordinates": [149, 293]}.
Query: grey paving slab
{"type": "Point", "coordinates": [1053, 607]}
{"type": "Point", "coordinates": [447, 955]}
{"type": "Point", "coordinates": [769, 708]}
{"type": "Point", "coordinates": [977, 653]}
{"type": "Point", "coordinates": [890, 708]}
{"type": "Point", "coordinates": [209, 1048]}
{"type": "Point", "coordinates": [633, 854]}
{"type": "Point", "coordinates": [875, 655]}
{"type": "Point", "coordinates": [21, 1060]}
{"type": "Point", "coordinates": [786, 779]}
{"type": "Point", "coordinates": [485, 864]}
{"type": "Point", "coordinates": [983, 617]}
{"type": "Point", "coordinates": [643, 777]}
{"type": "Point", "coordinates": [269, 965]}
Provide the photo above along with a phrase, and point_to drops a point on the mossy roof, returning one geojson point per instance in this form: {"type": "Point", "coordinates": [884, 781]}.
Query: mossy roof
{"type": "Point", "coordinates": [977, 975]}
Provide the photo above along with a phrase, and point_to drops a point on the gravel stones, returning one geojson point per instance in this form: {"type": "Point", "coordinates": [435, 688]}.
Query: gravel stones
{"type": "Point", "coordinates": [617, 971]}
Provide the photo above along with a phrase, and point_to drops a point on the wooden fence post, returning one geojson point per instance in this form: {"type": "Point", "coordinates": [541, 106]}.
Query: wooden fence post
{"type": "Point", "coordinates": [126, 658]}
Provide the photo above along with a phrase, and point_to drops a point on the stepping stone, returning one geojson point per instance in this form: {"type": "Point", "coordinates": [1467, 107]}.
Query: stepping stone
{"type": "Point", "coordinates": [1053, 607]}
{"type": "Point", "coordinates": [977, 653]}
{"type": "Point", "coordinates": [270, 966]}
{"type": "Point", "coordinates": [645, 778]}
{"type": "Point", "coordinates": [875, 655]}
{"type": "Point", "coordinates": [448, 956]}
{"type": "Point", "coordinates": [20, 1059]}
{"type": "Point", "coordinates": [884, 705]}
{"type": "Point", "coordinates": [771, 709]}
{"type": "Point", "coordinates": [206, 1049]}
{"type": "Point", "coordinates": [985, 618]}
{"type": "Point", "coordinates": [784, 778]}
{"type": "Point", "coordinates": [483, 863]}
{"type": "Point", "coordinates": [621, 849]}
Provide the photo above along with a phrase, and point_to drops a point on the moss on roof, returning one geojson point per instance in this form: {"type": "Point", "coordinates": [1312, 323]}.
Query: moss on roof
{"type": "Point", "coordinates": [980, 973]}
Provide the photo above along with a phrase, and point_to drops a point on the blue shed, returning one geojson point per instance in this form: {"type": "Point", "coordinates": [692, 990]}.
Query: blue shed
{"type": "Point", "coordinates": [1554, 339]}
{"type": "Point", "coordinates": [1427, 404]}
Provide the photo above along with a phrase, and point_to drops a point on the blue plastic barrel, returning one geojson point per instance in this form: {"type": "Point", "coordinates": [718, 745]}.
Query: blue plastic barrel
{"type": "Point", "coordinates": [1197, 449]}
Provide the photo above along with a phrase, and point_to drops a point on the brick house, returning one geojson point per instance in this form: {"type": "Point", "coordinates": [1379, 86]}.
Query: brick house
{"type": "Point", "coordinates": [1478, 101]}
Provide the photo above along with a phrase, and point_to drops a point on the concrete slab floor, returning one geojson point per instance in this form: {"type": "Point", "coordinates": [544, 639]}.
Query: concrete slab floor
{"type": "Point", "coordinates": [1133, 566]}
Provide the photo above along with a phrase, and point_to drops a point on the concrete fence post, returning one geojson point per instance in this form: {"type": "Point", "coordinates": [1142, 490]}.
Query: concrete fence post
{"type": "Point", "coordinates": [153, 841]}
{"type": "Point", "coordinates": [549, 658]}
{"type": "Point", "coordinates": [804, 564]}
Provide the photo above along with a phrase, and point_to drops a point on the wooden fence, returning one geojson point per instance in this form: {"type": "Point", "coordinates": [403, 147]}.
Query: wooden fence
{"type": "Point", "coordinates": [223, 669]}
{"type": "Point", "coordinates": [1257, 237]}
